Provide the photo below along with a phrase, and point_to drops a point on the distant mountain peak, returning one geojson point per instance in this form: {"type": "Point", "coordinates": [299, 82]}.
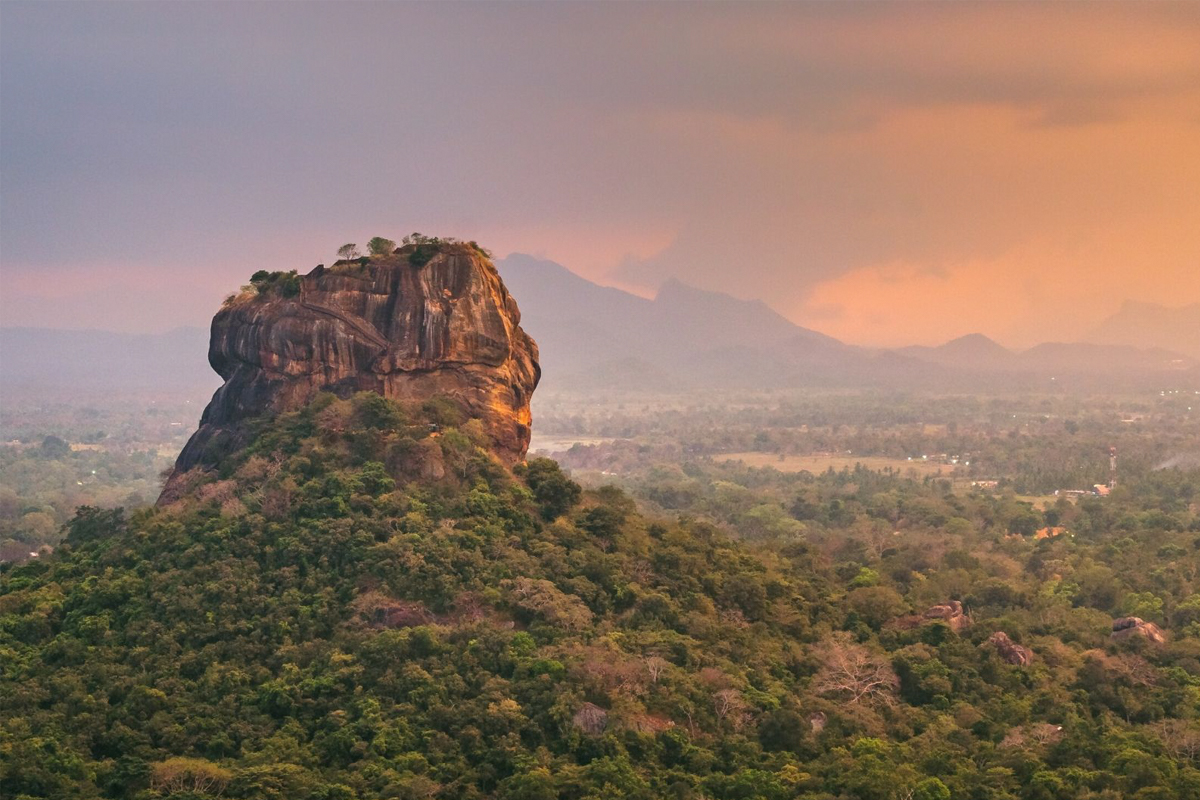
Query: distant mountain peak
{"type": "Point", "coordinates": [975, 343]}
{"type": "Point", "coordinates": [686, 331]}
{"type": "Point", "coordinates": [1143, 305]}
{"type": "Point", "coordinates": [672, 284]}
{"type": "Point", "coordinates": [973, 337]}
{"type": "Point", "coordinates": [972, 351]}
{"type": "Point", "coordinates": [674, 290]}
{"type": "Point", "coordinates": [1150, 325]}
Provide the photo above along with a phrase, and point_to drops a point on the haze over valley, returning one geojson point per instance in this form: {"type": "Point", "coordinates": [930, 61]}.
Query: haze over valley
{"type": "Point", "coordinates": [681, 338]}
{"type": "Point", "coordinates": [786, 401]}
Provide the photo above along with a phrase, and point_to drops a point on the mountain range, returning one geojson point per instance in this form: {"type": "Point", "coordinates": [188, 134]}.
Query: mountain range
{"type": "Point", "coordinates": [598, 336]}
{"type": "Point", "coordinates": [588, 332]}
{"type": "Point", "coordinates": [978, 353]}
{"type": "Point", "coordinates": [689, 337]}
{"type": "Point", "coordinates": [1152, 325]}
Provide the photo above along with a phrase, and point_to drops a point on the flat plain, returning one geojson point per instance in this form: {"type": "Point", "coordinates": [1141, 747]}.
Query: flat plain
{"type": "Point", "coordinates": [822, 461]}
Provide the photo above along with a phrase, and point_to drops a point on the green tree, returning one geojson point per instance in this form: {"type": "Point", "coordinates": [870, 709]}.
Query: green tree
{"type": "Point", "coordinates": [876, 605]}
{"type": "Point", "coordinates": [1146, 605]}
{"type": "Point", "coordinates": [55, 447]}
{"type": "Point", "coordinates": [1025, 523]}
{"type": "Point", "coordinates": [379, 246]}
{"type": "Point", "coordinates": [553, 490]}
{"type": "Point", "coordinates": [931, 789]}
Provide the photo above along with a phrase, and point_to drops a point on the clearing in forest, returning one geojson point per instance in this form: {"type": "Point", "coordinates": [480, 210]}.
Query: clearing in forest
{"type": "Point", "coordinates": [823, 461]}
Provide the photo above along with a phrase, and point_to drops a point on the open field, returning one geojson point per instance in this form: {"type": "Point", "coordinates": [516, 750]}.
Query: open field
{"type": "Point", "coordinates": [1040, 502]}
{"type": "Point", "coordinates": [558, 444]}
{"type": "Point", "coordinates": [822, 462]}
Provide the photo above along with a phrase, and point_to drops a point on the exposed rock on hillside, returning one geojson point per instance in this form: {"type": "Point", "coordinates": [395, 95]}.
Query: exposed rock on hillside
{"type": "Point", "coordinates": [1009, 650]}
{"type": "Point", "coordinates": [1125, 627]}
{"type": "Point", "coordinates": [591, 719]}
{"type": "Point", "coordinates": [951, 613]}
{"type": "Point", "coordinates": [427, 321]}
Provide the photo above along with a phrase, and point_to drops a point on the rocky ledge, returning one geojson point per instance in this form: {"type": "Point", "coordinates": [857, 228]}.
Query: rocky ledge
{"type": "Point", "coordinates": [426, 321]}
{"type": "Point", "coordinates": [1129, 627]}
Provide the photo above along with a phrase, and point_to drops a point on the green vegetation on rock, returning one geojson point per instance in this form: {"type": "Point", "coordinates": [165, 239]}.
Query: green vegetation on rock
{"type": "Point", "coordinates": [286, 284]}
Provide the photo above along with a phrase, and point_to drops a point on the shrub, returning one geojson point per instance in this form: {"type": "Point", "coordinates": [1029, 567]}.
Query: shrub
{"type": "Point", "coordinates": [422, 254]}
{"type": "Point", "coordinates": [443, 412]}
{"type": "Point", "coordinates": [377, 412]}
{"type": "Point", "coordinates": [286, 283]}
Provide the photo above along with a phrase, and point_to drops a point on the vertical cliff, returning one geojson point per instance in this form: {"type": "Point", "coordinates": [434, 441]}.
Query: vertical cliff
{"type": "Point", "coordinates": [433, 321]}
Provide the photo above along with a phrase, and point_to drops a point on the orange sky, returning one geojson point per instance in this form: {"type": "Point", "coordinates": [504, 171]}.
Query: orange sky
{"type": "Point", "coordinates": [885, 173]}
{"type": "Point", "coordinates": [1097, 214]}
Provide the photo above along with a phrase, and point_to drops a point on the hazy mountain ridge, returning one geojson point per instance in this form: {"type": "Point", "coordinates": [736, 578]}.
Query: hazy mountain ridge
{"type": "Point", "coordinates": [1152, 326]}
{"type": "Point", "coordinates": [977, 352]}
{"type": "Point", "coordinates": [683, 338]}
{"type": "Point", "coordinates": [973, 350]}
{"type": "Point", "coordinates": [690, 336]}
{"type": "Point", "coordinates": [686, 336]}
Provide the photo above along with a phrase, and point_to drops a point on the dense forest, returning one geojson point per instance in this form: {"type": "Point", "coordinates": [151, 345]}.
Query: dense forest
{"type": "Point", "coordinates": [364, 604]}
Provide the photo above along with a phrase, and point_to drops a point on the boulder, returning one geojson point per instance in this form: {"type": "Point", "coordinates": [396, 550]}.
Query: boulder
{"type": "Point", "coordinates": [591, 719]}
{"type": "Point", "coordinates": [1009, 650]}
{"type": "Point", "coordinates": [950, 612]}
{"type": "Point", "coordinates": [1126, 627]}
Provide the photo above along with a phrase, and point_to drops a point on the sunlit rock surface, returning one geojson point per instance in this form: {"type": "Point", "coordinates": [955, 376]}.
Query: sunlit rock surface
{"type": "Point", "coordinates": [1126, 627]}
{"type": "Point", "coordinates": [1009, 650]}
{"type": "Point", "coordinates": [445, 328]}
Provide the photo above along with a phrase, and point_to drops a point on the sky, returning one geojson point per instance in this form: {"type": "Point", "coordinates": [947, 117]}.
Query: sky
{"type": "Point", "coordinates": [888, 174]}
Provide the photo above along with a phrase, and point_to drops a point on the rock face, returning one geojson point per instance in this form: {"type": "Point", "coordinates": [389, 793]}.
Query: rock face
{"type": "Point", "coordinates": [591, 719]}
{"type": "Point", "coordinates": [951, 613]}
{"type": "Point", "coordinates": [1126, 627]}
{"type": "Point", "coordinates": [420, 323]}
{"type": "Point", "coordinates": [1009, 650]}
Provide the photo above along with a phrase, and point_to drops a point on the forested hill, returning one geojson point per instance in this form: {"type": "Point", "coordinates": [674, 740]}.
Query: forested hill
{"type": "Point", "coordinates": [324, 618]}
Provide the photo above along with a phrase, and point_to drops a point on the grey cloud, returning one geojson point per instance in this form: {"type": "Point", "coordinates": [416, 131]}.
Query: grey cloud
{"type": "Point", "coordinates": [229, 136]}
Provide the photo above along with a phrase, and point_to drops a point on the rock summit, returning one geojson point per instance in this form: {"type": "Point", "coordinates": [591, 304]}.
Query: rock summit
{"type": "Point", "coordinates": [429, 320]}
